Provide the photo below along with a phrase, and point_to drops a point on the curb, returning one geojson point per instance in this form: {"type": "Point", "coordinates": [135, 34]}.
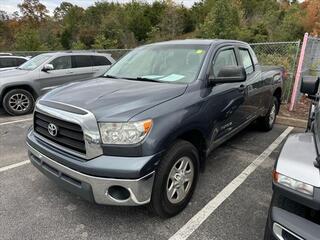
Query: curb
{"type": "Point", "coordinates": [291, 122]}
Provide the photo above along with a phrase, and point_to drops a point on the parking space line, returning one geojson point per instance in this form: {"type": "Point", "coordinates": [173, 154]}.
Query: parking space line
{"type": "Point", "coordinates": [16, 121]}
{"type": "Point", "coordinates": [209, 208]}
{"type": "Point", "coordinates": [6, 168]}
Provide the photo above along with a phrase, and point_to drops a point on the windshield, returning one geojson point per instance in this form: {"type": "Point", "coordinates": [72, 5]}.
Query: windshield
{"type": "Point", "coordinates": [35, 62]}
{"type": "Point", "coordinates": [163, 63]}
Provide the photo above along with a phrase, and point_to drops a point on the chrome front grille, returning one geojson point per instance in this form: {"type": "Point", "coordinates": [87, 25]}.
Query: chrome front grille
{"type": "Point", "coordinates": [77, 129]}
{"type": "Point", "coordinates": [69, 135]}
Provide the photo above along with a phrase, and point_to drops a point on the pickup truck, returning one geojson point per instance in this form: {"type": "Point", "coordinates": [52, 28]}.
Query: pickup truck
{"type": "Point", "coordinates": [141, 133]}
{"type": "Point", "coordinates": [295, 207]}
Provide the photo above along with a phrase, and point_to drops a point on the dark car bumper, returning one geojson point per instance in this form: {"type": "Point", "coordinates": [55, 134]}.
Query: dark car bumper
{"type": "Point", "coordinates": [104, 180]}
{"type": "Point", "coordinates": [286, 225]}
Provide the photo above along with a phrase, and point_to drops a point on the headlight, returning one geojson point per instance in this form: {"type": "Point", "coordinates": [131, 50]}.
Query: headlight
{"type": "Point", "coordinates": [124, 133]}
{"type": "Point", "coordinates": [292, 183]}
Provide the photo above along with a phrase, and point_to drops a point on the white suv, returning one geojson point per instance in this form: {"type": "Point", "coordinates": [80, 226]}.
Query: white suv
{"type": "Point", "coordinates": [20, 87]}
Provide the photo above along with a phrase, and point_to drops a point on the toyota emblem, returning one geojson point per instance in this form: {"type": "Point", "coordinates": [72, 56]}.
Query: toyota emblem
{"type": "Point", "coordinates": [52, 129]}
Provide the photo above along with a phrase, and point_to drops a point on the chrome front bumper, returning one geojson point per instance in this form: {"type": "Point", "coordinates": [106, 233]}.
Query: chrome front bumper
{"type": "Point", "coordinates": [139, 189]}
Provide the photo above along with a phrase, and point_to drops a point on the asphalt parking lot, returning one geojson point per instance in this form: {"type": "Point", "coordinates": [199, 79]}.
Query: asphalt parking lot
{"type": "Point", "coordinates": [33, 207]}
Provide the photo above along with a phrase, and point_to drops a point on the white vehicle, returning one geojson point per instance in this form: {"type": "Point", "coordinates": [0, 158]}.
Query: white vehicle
{"type": "Point", "coordinates": [20, 87]}
{"type": "Point", "coordinates": [10, 62]}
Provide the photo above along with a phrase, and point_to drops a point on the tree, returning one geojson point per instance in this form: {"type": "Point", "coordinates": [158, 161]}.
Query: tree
{"type": "Point", "coordinates": [101, 42]}
{"type": "Point", "coordinates": [28, 40]}
{"type": "Point", "coordinates": [171, 24]}
{"type": "Point", "coordinates": [33, 11]}
{"type": "Point", "coordinates": [69, 16]}
{"type": "Point", "coordinates": [221, 22]}
{"type": "Point", "coordinates": [311, 20]}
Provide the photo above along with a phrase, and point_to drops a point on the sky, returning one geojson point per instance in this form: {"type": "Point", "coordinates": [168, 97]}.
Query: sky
{"type": "Point", "coordinates": [11, 5]}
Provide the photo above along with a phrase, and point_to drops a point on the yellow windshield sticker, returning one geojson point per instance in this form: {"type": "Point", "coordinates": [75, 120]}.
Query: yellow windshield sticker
{"type": "Point", "coordinates": [199, 51]}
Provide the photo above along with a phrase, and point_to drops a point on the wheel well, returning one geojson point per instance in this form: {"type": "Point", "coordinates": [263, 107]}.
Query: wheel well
{"type": "Point", "coordinates": [197, 139]}
{"type": "Point", "coordinates": [278, 94]}
{"type": "Point", "coordinates": [25, 87]}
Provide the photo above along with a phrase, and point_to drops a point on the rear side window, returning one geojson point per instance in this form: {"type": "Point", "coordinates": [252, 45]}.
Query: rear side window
{"type": "Point", "coordinates": [82, 61]}
{"type": "Point", "coordinates": [246, 60]}
{"type": "Point", "coordinates": [62, 63]}
{"type": "Point", "coordinates": [100, 61]}
{"type": "Point", "coordinates": [225, 58]}
{"type": "Point", "coordinates": [8, 62]}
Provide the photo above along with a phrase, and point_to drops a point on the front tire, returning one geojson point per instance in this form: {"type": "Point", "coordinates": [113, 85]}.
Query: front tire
{"type": "Point", "coordinates": [175, 179]}
{"type": "Point", "coordinates": [266, 123]}
{"type": "Point", "coordinates": [18, 102]}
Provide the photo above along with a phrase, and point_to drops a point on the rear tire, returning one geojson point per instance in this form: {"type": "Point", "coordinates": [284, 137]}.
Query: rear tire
{"type": "Point", "coordinates": [266, 123]}
{"type": "Point", "coordinates": [18, 102]}
{"type": "Point", "coordinates": [175, 179]}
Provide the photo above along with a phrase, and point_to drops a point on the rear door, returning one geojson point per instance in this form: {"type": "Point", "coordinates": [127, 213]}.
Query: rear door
{"type": "Point", "coordinates": [82, 68]}
{"type": "Point", "coordinates": [58, 76]}
{"type": "Point", "coordinates": [253, 85]}
{"type": "Point", "coordinates": [100, 65]}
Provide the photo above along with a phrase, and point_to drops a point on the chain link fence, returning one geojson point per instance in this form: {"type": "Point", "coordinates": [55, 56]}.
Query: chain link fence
{"type": "Point", "coordinates": [311, 61]}
{"type": "Point", "coordinates": [280, 54]}
{"type": "Point", "coordinates": [268, 53]}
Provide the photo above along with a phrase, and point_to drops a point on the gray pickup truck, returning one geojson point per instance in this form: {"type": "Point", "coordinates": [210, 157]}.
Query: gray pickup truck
{"type": "Point", "coordinates": [141, 133]}
{"type": "Point", "coordinates": [295, 207]}
{"type": "Point", "coordinates": [20, 87]}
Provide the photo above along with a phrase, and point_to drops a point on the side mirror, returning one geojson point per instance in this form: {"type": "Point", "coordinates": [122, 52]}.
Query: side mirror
{"type": "Point", "coordinates": [230, 74]}
{"type": "Point", "coordinates": [48, 67]}
{"type": "Point", "coordinates": [310, 85]}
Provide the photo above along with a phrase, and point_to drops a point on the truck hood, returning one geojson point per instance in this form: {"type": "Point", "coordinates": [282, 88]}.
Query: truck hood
{"type": "Point", "coordinates": [115, 99]}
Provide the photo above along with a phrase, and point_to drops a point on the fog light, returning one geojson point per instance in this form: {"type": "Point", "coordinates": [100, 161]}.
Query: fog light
{"type": "Point", "coordinates": [118, 193]}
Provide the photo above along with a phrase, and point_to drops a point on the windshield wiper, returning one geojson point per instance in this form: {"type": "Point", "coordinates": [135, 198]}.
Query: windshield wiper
{"type": "Point", "coordinates": [135, 79]}
{"type": "Point", "coordinates": [142, 79]}
{"type": "Point", "coordinates": [110, 76]}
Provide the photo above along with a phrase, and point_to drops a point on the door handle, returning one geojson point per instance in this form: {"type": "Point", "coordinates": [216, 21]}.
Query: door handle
{"type": "Point", "coordinates": [70, 72]}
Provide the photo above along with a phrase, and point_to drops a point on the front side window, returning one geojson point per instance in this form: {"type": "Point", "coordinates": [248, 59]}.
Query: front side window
{"type": "Point", "coordinates": [35, 62]}
{"type": "Point", "coordinates": [246, 60]}
{"type": "Point", "coordinates": [62, 63]}
{"type": "Point", "coordinates": [172, 63]}
{"type": "Point", "coordinates": [224, 58]}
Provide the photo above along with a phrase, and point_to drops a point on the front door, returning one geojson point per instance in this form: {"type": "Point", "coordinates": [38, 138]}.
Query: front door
{"type": "Point", "coordinates": [225, 100]}
{"type": "Point", "coordinates": [58, 76]}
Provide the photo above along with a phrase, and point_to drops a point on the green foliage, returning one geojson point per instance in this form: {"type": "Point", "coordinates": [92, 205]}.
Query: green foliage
{"type": "Point", "coordinates": [28, 40]}
{"type": "Point", "coordinates": [78, 45]}
{"type": "Point", "coordinates": [221, 22]}
{"type": "Point", "coordinates": [101, 42]}
{"type": "Point", "coordinates": [114, 25]}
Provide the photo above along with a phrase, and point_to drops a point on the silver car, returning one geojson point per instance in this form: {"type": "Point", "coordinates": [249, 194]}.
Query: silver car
{"type": "Point", "coordinates": [8, 62]}
{"type": "Point", "coordinates": [20, 87]}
